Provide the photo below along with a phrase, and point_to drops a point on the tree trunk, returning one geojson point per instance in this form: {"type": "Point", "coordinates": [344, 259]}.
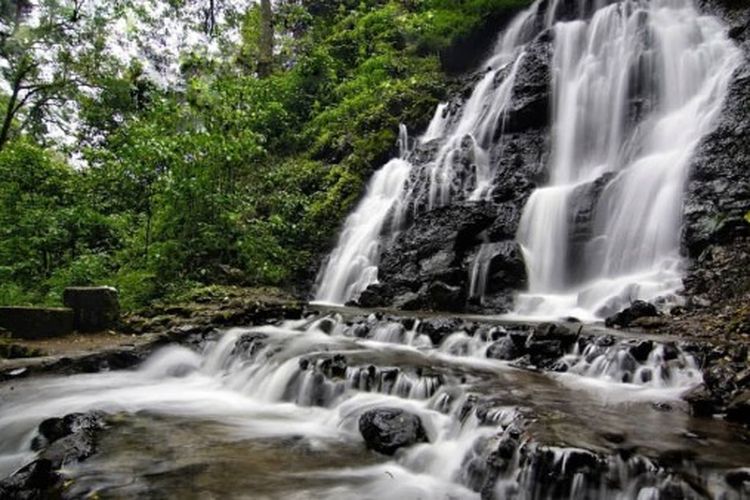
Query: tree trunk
{"type": "Point", "coordinates": [265, 55]}
{"type": "Point", "coordinates": [10, 111]}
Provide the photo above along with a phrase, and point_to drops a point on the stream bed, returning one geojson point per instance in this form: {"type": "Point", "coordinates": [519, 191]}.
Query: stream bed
{"type": "Point", "coordinates": [274, 412]}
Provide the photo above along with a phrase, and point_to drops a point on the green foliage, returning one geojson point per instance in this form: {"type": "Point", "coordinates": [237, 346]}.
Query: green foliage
{"type": "Point", "coordinates": [230, 179]}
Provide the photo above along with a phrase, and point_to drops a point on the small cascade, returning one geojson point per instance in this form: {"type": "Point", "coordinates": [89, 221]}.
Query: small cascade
{"type": "Point", "coordinates": [638, 362]}
{"type": "Point", "coordinates": [479, 271]}
{"type": "Point", "coordinates": [306, 383]}
{"type": "Point", "coordinates": [353, 265]}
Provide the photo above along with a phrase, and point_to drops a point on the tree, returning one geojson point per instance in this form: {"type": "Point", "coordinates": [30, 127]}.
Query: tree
{"type": "Point", "coordinates": [265, 53]}
{"type": "Point", "coordinates": [48, 60]}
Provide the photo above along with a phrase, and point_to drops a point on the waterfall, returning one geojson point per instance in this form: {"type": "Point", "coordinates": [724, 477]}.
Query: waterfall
{"type": "Point", "coordinates": [635, 86]}
{"type": "Point", "coordinates": [634, 90]}
{"type": "Point", "coordinates": [352, 266]}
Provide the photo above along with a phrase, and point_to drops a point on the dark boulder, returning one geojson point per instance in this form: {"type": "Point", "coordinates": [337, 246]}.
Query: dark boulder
{"type": "Point", "coordinates": [440, 296]}
{"type": "Point", "coordinates": [61, 442]}
{"type": "Point", "coordinates": [375, 295]}
{"type": "Point", "coordinates": [504, 349]}
{"type": "Point", "coordinates": [554, 331]}
{"type": "Point", "coordinates": [638, 309]}
{"type": "Point", "coordinates": [385, 430]}
{"type": "Point", "coordinates": [94, 308]}
{"type": "Point", "coordinates": [432, 251]}
{"type": "Point", "coordinates": [438, 328]}
{"type": "Point", "coordinates": [641, 350]}
{"type": "Point", "coordinates": [739, 408]}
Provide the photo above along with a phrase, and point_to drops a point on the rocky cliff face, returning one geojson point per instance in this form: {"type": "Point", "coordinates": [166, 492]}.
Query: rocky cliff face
{"type": "Point", "coordinates": [429, 265]}
{"type": "Point", "coordinates": [718, 195]}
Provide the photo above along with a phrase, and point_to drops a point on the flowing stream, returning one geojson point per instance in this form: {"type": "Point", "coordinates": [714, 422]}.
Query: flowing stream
{"type": "Point", "coordinates": [635, 85]}
{"type": "Point", "coordinates": [272, 412]}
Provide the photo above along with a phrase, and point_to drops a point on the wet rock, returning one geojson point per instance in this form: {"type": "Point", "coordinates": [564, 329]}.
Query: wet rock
{"type": "Point", "coordinates": [580, 219]}
{"type": "Point", "coordinates": [739, 408]}
{"type": "Point", "coordinates": [719, 186]}
{"type": "Point", "coordinates": [738, 479]}
{"type": "Point", "coordinates": [334, 367]}
{"type": "Point", "coordinates": [553, 331]}
{"type": "Point", "coordinates": [636, 310]}
{"type": "Point", "coordinates": [702, 402]}
{"type": "Point", "coordinates": [375, 295]}
{"type": "Point", "coordinates": [61, 442]}
{"type": "Point", "coordinates": [423, 264]}
{"type": "Point", "coordinates": [438, 328]}
{"type": "Point", "coordinates": [544, 352]}
{"type": "Point", "coordinates": [327, 325]}
{"type": "Point", "coordinates": [37, 480]}
{"type": "Point", "coordinates": [440, 296]}
{"type": "Point", "coordinates": [641, 350]}
{"type": "Point", "coordinates": [248, 345]}
{"type": "Point", "coordinates": [94, 308]}
{"type": "Point", "coordinates": [504, 349]}
{"type": "Point", "coordinates": [385, 430]}
{"type": "Point", "coordinates": [54, 429]}
{"type": "Point", "coordinates": [530, 107]}
{"type": "Point", "coordinates": [360, 330]}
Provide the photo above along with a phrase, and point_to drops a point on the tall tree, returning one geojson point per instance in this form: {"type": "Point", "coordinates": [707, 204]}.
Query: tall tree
{"type": "Point", "coordinates": [47, 58]}
{"type": "Point", "coordinates": [265, 45]}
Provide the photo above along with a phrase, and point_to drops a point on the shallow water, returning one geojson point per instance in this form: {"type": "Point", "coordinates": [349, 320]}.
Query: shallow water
{"type": "Point", "coordinates": [242, 418]}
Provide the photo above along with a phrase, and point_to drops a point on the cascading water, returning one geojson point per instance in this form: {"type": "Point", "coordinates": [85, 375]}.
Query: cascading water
{"type": "Point", "coordinates": [352, 266]}
{"type": "Point", "coordinates": [635, 86]}
{"type": "Point", "coordinates": [635, 89]}
{"type": "Point", "coordinates": [275, 410]}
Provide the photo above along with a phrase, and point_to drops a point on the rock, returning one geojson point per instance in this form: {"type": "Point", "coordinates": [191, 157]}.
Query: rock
{"type": "Point", "coordinates": [544, 352]}
{"type": "Point", "coordinates": [334, 367]}
{"type": "Point", "coordinates": [61, 441]}
{"type": "Point", "coordinates": [35, 323]}
{"type": "Point", "coordinates": [504, 349]}
{"type": "Point", "coordinates": [53, 429]}
{"type": "Point", "coordinates": [327, 325]}
{"type": "Point", "coordinates": [440, 296]}
{"type": "Point", "coordinates": [641, 350]}
{"type": "Point", "coordinates": [553, 331]}
{"type": "Point", "coordinates": [385, 430]}
{"type": "Point", "coordinates": [739, 478]}
{"type": "Point", "coordinates": [422, 264]}
{"type": "Point", "coordinates": [94, 308]}
{"type": "Point", "coordinates": [530, 106]}
{"type": "Point", "coordinates": [636, 310]}
{"type": "Point", "coordinates": [739, 408]}
{"type": "Point", "coordinates": [438, 328]}
{"type": "Point", "coordinates": [719, 186]}
{"type": "Point", "coordinates": [702, 402]}
{"type": "Point", "coordinates": [374, 295]}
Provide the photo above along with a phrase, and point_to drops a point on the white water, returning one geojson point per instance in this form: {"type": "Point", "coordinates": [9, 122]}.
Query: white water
{"type": "Point", "coordinates": [678, 64]}
{"type": "Point", "coordinates": [353, 265]}
{"type": "Point", "coordinates": [253, 383]}
{"type": "Point", "coordinates": [635, 88]}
